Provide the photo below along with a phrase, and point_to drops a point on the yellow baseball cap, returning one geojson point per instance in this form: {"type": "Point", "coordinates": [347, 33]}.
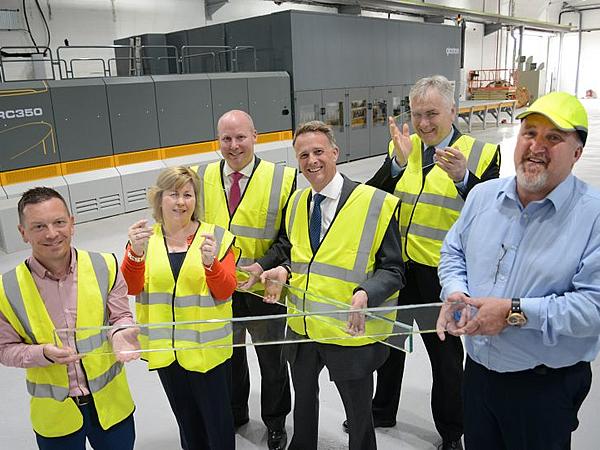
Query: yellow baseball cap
{"type": "Point", "coordinates": [563, 110]}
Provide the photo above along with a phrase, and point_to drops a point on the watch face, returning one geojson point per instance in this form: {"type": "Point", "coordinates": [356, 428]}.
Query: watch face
{"type": "Point", "coordinates": [516, 319]}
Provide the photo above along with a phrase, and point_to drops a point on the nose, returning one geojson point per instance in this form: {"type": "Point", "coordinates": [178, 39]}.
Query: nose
{"type": "Point", "coordinates": [538, 144]}
{"type": "Point", "coordinates": [51, 232]}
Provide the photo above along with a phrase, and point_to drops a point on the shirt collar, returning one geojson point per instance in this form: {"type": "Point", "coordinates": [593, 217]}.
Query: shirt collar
{"type": "Point", "coordinates": [246, 171]}
{"type": "Point", "coordinates": [38, 269]}
{"type": "Point", "coordinates": [557, 197]}
{"type": "Point", "coordinates": [333, 188]}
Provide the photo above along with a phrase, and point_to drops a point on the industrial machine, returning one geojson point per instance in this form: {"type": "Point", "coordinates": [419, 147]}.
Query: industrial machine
{"type": "Point", "coordinates": [102, 141]}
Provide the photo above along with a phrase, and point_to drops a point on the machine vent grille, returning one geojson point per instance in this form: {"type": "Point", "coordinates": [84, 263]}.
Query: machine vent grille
{"type": "Point", "coordinates": [86, 206]}
{"type": "Point", "coordinates": [136, 196]}
{"type": "Point", "coordinates": [110, 201]}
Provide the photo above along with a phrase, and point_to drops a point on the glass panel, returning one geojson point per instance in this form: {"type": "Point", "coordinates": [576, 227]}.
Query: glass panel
{"type": "Point", "coordinates": [359, 113]}
{"type": "Point", "coordinates": [379, 112]}
{"type": "Point", "coordinates": [334, 114]}
{"type": "Point", "coordinates": [308, 113]}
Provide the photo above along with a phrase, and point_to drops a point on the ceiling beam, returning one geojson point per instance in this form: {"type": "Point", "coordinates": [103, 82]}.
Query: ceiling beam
{"type": "Point", "coordinates": [430, 9]}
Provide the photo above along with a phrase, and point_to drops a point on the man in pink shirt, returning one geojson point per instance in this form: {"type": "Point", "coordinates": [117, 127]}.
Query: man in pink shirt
{"type": "Point", "coordinates": [77, 385]}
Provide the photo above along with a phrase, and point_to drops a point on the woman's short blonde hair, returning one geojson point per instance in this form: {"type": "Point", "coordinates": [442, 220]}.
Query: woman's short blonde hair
{"type": "Point", "coordinates": [172, 178]}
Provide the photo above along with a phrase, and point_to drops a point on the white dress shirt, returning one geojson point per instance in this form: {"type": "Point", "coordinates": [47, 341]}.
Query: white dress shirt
{"type": "Point", "coordinates": [332, 193]}
{"type": "Point", "coordinates": [246, 172]}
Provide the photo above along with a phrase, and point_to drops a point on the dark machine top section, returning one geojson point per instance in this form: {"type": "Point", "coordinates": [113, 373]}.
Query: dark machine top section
{"type": "Point", "coordinates": [67, 120]}
{"type": "Point", "coordinates": [322, 50]}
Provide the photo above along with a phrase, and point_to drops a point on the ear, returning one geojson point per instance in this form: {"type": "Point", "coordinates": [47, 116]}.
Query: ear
{"type": "Point", "coordinates": [336, 152]}
{"type": "Point", "coordinates": [578, 153]}
{"type": "Point", "coordinates": [22, 231]}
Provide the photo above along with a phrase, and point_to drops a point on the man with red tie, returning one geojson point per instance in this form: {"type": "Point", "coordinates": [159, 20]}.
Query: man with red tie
{"type": "Point", "coordinates": [247, 195]}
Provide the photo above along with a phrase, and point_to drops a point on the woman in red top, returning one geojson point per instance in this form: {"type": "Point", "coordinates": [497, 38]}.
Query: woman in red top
{"type": "Point", "coordinates": [199, 400]}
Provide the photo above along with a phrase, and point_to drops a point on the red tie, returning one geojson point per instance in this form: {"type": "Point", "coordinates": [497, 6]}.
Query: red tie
{"type": "Point", "coordinates": [234, 191]}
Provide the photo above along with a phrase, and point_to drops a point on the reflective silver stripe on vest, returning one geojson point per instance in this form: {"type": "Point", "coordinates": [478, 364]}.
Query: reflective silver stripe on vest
{"type": "Point", "coordinates": [47, 391]}
{"type": "Point", "coordinates": [455, 204]}
{"type": "Point", "coordinates": [92, 343]}
{"type": "Point", "coordinates": [219, 234]}
{"type": "Point", "coordinates": [164, 333]}
{"type": "Point", "coordinates": [200, 201]}
{"type": "Point", "coordinates": [269, 231]}
{"type": "Point", "coordinates": [311, 306]}
{"type": "Point", "coordinates": [203, 301]}
{"type": "Point", "coordinates": [293, 213]}
{"type": "Point", "coordinates": [161, 298]}
{"type": "Point", "coordinates": [15, 299]}
{"type": "Point", "coordinates": [475, 155]}
{"type": "Point", "coordinates": [245, 261]}
{"type": "Point", "coordinates": [294, 300]}
{"type": "Point", "coordinates": [425, 231]}
{"type": "Point", "coordinates": [359, 272]}
{"type": "Point", "coordinates": [101, 381]}
{"type": "Point", "coordinates": [101, 271]}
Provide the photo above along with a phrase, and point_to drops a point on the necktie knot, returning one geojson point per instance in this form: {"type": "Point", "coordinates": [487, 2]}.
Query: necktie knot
{"type": "Point", "coordinates": [318, 199]}
{"type": "Point", "coordinates": [236, 176]}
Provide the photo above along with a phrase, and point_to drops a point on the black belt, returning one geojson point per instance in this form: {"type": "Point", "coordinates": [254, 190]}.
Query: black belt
{"type": "Point", "coordinates": [545, 370]}
{"type": "Point", "coordinates": [83, 400]}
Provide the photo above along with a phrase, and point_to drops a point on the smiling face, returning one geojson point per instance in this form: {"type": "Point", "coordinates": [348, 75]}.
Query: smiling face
{"type": "Point", "coordinates": [48, 228]}
{"type": "Point", "coordinates": [432, 117]}
{"type": "Point", "coordinates": [237, 137]}
{"type": "Point", "coordinates": [544, 157]}
{"type": "Point", "coordinates": [317, 158]}
{"type": "Point", "coordinates": [178, 205]}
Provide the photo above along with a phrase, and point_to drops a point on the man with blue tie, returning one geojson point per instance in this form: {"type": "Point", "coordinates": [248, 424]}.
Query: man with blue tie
{"type": "Point", "coordinates": [340, 241]}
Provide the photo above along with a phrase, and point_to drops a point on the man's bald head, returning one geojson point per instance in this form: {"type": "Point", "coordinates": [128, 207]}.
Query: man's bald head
{"type": "Point", "coordinates": [237, 137]}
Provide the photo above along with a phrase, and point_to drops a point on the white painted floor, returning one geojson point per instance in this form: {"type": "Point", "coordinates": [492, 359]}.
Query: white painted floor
{"type": "Point", "coordinates": [156, 428]}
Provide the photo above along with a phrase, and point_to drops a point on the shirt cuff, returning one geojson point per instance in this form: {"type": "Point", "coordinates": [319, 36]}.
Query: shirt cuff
{"type": "Point", "coordinates": [531, 307]}
{"type": "Point", "coordinates": [115, 326]}
{"type": "Point", "coordinates": [396, 168]}
{"type": "Point", "coordinates": [37, 356]}
{"type": "Point", "coordinates": [453, 286]}
{"type": "Point", "coordinates": [462, 185]}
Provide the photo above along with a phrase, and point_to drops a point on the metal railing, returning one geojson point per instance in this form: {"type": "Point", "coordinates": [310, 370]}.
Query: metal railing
{"type": "Point", "coordinates": [217, 58]}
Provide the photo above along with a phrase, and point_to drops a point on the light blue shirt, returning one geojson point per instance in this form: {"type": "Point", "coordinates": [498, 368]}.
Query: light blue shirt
{"type": "Point", "coordinates": [396, 168]}
{"type": "Point", "coordinates": [547, 254]}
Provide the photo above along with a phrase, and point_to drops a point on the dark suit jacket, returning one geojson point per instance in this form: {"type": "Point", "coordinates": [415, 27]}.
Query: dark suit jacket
{"type": "Point", "coordinates": [347, 363]}
{"type": "Point", "coordinates": [383, 177]}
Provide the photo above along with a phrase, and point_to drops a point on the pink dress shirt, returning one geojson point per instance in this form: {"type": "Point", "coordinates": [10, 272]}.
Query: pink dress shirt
{"type": "Point", "coordinates": [60, 298]}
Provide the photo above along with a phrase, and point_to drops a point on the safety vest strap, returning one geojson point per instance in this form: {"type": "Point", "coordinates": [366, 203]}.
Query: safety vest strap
{"type": "Point", "coordinates": [15, 299]}
{"type": "Point", "coordinates": [455, 204]}
{"type": "Point", "coordinates": [424, 231]}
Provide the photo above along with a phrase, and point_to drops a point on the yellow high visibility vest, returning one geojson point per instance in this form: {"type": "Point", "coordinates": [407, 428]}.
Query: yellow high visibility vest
{"type": "Point", "coordinates": [344, 259]}
{"type": "Point", "coordinates": [428, 210]}
{"type": "Point", "coordinates": [257, 219]}
{"type": "Point", "coordinates": [197, 347]}
{"type": "Point", "coordinates": [53, 413]}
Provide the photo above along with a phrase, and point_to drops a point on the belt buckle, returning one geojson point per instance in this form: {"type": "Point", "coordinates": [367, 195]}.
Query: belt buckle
{"type": "Point", "coordinates": [82, 400]}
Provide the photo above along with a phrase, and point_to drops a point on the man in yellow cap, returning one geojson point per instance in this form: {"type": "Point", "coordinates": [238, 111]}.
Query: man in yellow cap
{"type": "Point", "coordinates": [524, 256]}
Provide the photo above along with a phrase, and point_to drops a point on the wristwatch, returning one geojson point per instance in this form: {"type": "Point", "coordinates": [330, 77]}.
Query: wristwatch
{"type": "Point", "coordinates": [516, 318]}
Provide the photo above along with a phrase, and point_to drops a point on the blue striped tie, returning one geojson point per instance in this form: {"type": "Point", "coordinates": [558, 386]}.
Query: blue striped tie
{"type": "Point", "coordinates": [314, 228]}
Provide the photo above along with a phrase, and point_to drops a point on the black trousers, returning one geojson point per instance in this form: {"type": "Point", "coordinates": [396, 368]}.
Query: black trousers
{"type": "Point", "coordinates": [275, 398]}
{"type": "Point", "coordinates": [200, 402]}
{"type": "Point", "coordinates": [533, 409]}
{"type": "Point", "coordinates": [446, 357]}
{"type": "Point", "coordinates": [356, 396]}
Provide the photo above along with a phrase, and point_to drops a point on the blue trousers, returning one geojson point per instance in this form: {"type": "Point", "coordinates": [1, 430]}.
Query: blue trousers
{"type": "Point", "coordinates": [118, 437]}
